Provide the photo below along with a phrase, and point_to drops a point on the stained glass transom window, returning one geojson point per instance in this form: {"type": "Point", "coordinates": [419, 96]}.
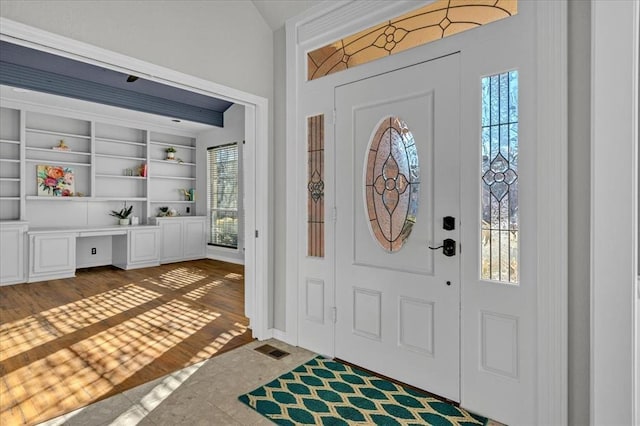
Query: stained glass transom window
{"type": "Point", "coordinates": [392, 183]}
{"type": "Point", "coordinates": [315, 185]}
{"type": "Point", "coordinates": [500, 220]}
{"type": "Point", "coordinates": [437, 20]}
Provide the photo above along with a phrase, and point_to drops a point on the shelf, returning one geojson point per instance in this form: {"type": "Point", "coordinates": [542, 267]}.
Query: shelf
{"type": "Point", "coordinates": [50, 132]}
{"type": "Point", "coordinates": [121, 141]}
{"type": "Point", "coordinates": [57, 151]}
{"type": "Point", "coordinates": [9, 141]}
{"type": "Point", "coordinates": [9, 160]}
{"type": "Point", "coordinates": [171, 202]}
{"type": "Point", "coordinates": [5, 179]}
{"type": "Point", "coordinates": [66, 199]}
{"type": "Point", "coordinates": [119, 199]}
{"type": "Point", "coordinates": [64, 163]}
{"type": "Point", "coordinates": [178, 163]}
{"type": "Point", "coordinates": [119, 176]}
{"type": "Point", "coordinates": [121, 157]}
{"type": "Point", "coordinates": [176, 146]}
{"type": "Point", "coordinates": [9, 198]}
{"type": "Point", "coordinates": [172, 177]}
{"type": "Point", "coordinates": [88, 199]}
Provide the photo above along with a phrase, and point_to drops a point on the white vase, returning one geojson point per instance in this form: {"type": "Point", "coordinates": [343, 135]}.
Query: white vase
{"type": "Point", "coordinates": [124, 221]}
{"type": "Point", "coordinates": [171, 155]}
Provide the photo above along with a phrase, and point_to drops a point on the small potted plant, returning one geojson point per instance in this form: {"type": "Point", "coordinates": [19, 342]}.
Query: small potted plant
{"type": "Point", "coordinates": [171, 153]}
{"type": "Point", "coordinates": [123, 214]}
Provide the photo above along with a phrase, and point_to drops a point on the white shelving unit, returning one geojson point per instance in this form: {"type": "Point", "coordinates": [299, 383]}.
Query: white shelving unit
{"type": "Point", "coordinates": [111, 163]}
{"type": "Point", "coordinates": [10, 164]}
{"type": "Point", "coordinates": [120, 156]}
{"type": "Point", "coordinates": [45, 132]}
{"type": "Point", "coordinates": [170, 178]}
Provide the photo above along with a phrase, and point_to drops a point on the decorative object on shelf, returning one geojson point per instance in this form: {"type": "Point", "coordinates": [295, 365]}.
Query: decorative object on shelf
{"type": "Point", "coordinates": [127, 172]}
{"type": "Point", "coordinates": [142, 170]}
{"type": "Point", "coordinates": [123, 214]}
{"type": "Point", "coordinates": [55, 181]}
{"type": "Point", "coordinates": [61, 146]}
{"type": "Point", "coordinates": [135, 220]}
{"type": "Point", "coordinates": [189, 194]}
{"type": "Point", "coordinates": [171, 153]}
{"type": "Point", "coordinates": [166, 212]}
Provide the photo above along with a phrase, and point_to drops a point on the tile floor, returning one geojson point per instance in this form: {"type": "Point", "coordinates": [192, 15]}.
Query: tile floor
{"type": "Point", "coordinates": [203, 394]}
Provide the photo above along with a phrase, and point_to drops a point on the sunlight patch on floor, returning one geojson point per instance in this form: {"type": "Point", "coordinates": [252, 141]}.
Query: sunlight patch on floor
{"type": "Point", "coordinates": [233, 276]}
{"type": "Point", "coordinates": [93, 366]}
{"type": "Point", "coordinates": [220, 342]}
{"type": "Point", "coordinates": [179, 277]}
{"type": "Point", "coordinates": [25, 334]}
{"type": "Point", "coordinates": [202, 291]}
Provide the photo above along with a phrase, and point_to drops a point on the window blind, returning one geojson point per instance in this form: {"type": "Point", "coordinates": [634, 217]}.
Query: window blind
{"type": "Point", "coordinates": [223, 195]}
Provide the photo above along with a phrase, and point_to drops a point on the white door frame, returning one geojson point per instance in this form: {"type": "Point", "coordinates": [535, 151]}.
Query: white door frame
{"type": "Point", "coordinates": [257, 269]}
{"type": "Point", "coordinates": [329, 22]}
{"type": "Point", "coordinates": [615, 352]}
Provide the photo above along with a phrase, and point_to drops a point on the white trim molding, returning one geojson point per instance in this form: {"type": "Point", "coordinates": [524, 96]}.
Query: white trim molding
{"type": "Point", "coordinates": [258, 269]}
{"type": "Point", "coordinates": [552, 213]}
{"type": "Point", "coordinates": [551, 304]}
{"type": "Point", "coordinates": [614, 203]}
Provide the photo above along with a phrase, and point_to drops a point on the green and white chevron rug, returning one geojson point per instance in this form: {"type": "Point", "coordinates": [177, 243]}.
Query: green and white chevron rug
{"type": "Point", "coordinates": [326, 392]}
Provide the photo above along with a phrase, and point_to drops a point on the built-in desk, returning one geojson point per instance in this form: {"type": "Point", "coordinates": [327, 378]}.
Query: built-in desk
{"type": "Point", "coordinates": [52, 250]}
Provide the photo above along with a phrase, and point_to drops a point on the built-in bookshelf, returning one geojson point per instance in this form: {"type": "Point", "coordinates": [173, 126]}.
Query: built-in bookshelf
{"type": "Point", "coordinates": [171, 179]}
{"type": "Point", "coordinates": [120, 162]}
{"type": "Point", "coordinates": [106, 162]}
{"type": "Point", "coordinates": [10, 164]}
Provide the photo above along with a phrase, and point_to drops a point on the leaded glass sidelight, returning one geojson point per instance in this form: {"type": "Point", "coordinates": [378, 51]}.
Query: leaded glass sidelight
{"type": "Point", "coordinates": [315, 185]}
{"type": "Point", "coordinates": [500, 221]}
{"type": "Point", "coordinates": [392, 183]}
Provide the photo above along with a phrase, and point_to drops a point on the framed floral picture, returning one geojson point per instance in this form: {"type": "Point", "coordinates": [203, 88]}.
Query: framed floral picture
{"type": "Point", "coordinates": [55, 181]}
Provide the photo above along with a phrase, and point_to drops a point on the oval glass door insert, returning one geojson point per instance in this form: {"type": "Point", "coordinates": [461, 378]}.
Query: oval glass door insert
{"type": "Point", "coordinates": [392, 183]}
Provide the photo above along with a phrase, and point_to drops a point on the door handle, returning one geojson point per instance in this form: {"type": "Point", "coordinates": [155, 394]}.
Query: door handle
{"type": "Point", "coordinates": [448, 247]}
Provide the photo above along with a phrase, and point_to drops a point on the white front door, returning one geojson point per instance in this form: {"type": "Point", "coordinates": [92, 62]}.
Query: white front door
{"type": "Point", "coordinates": [397, 178]}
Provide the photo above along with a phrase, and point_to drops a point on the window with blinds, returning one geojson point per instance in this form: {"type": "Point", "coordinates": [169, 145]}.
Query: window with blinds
{"type": "Point", "coordinates": [223, 195]}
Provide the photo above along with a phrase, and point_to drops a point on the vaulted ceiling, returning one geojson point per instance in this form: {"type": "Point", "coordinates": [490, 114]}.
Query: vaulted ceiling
{"type": "Point", "coordinates": [36, 70]}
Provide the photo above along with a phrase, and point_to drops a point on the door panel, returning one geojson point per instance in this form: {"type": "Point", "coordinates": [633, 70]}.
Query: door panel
{"type": "Point", "coordinates": [398, 312]}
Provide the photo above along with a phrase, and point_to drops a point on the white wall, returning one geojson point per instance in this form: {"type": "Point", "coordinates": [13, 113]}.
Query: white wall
{"type": "Point", "coordinates": [226, 42]}
{"type": "Point", "coordinates": [613, 261]}
{"type": "Point", "coordinates": [233, 131]}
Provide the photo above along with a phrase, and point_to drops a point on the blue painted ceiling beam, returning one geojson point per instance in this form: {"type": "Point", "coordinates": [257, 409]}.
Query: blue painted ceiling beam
{"type": "Point", "coordinates": [44, 81]}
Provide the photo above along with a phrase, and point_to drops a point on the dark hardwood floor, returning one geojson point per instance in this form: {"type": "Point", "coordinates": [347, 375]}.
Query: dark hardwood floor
{"type": "Point", "coordinates": [67, 343]}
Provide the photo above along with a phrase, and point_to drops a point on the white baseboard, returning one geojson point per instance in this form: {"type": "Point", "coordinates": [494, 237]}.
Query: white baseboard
{"type": "Point", "coordinates": [225, 259]}
{"type": "Point", "coordinates": [283, 336]}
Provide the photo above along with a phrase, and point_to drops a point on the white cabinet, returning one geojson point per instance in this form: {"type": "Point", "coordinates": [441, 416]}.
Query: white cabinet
{"type": "Point", "coordinates": [144, 246]}
{"type": "Point", "coordinates": [140, 248]}
{"type": "Point", "coordinates": [182, 238]}
{"type": "Point", "coordinates": [194, 237]}
{"type": "Point", "coordinates": [171, 237]}
{"type": "Point", "coordinates": [52, 256]}
{"type": "Point", "coordinates": [12, 235]}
